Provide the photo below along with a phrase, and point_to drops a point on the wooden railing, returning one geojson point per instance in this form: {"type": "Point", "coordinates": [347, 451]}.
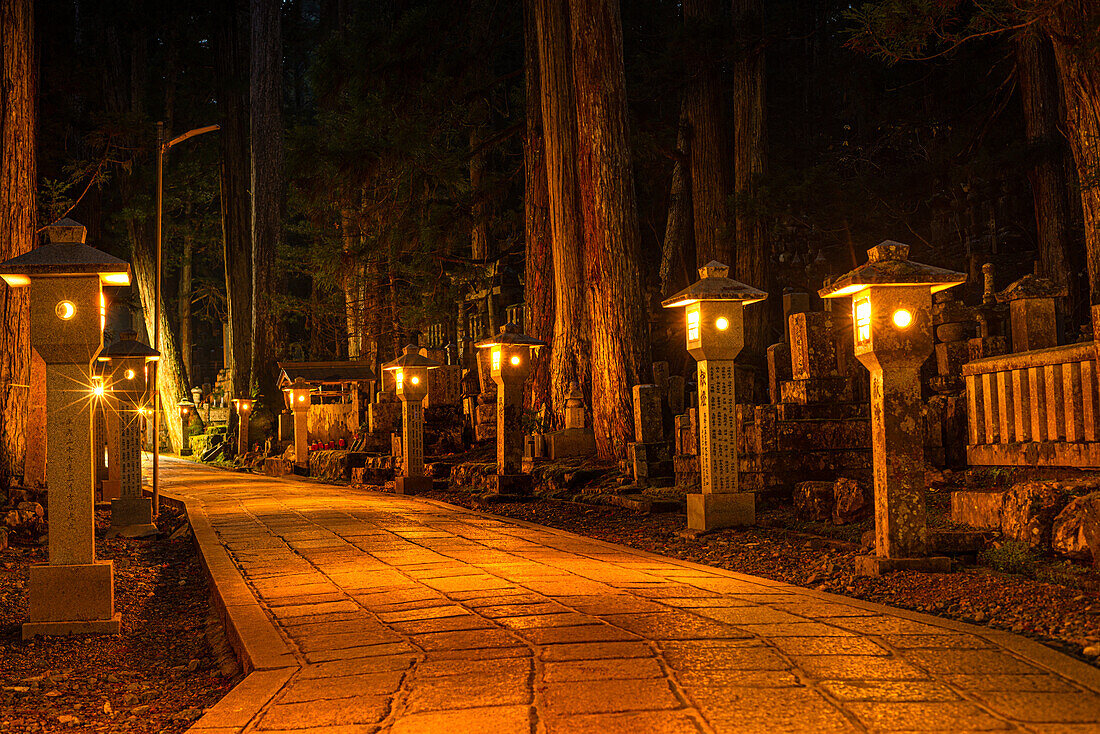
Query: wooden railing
{"type": "Point", "coordinates": [1034, 408]}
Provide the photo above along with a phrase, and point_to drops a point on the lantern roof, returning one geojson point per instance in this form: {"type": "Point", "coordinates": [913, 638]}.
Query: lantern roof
{"type": "Point", "coordinates": [714, 284]}
{"type": "Point", "coordinates": [410, 357]}
{"type": "Point", "coordinates": [888, 264]}
{"type": "Point", "coordinates": [185, 403]}
{"type": "Point", "coordinates": [65, 253]}
{"type": "Point", "coordinates": [1032, 286]}
{"type": "Point", "coordinates": [129, 346]}
{"type": "Point", "coordinates": [510, 336]}
{"type": "Point", "coordinates": [325, 373]}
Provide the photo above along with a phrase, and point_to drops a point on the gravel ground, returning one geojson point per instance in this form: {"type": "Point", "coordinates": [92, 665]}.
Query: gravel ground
{"type": "Point", "coordinates": [1065, 616]}
{"type": "Point", "coordinates": [157, 676]}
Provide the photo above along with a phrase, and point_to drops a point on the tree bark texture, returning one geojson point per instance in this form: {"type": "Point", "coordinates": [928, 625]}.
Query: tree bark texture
{"type": "Point", "coordinates": [184, 302]}
{"type": "Point", "coordinates": [481, 247]}
{"type": "Point", "coordinates": [353, 314]}
{"type": "Point", "coordinates": [750, 163]}
{"type": "Point", "coordinates": [709, 124]}
{"type": "Point", "coordinates": [1073, 31]}
{"type": "Point", "coordinates": [570, 354]}
{"type": "Point", "coordinates": [1041, 102]}
{"type": "Point", "coordinates": [231, 60]}
{"type": "Point", "coordinates": [18, 183]}
{"type": "Point", "coordinates": [678, 247]}
{"type": "Point", "coordinates": [268, 201]}
{"type": "Point", "coordinates": [538, 310]}
{"type": "Point", "coordinates": [619, 325]}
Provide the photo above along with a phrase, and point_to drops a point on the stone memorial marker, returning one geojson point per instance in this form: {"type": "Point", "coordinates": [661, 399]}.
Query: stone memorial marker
{"type": "Point", "coordinates": [715, 335]}
{"type": "Point", "coordinates": [1031, 303]}
{"type": "Point", "coordinates": [892, 316]}
{"type": "Point", "coordinates": [574, 439]}
{"type": "Point", "coordinates": [73, 593]}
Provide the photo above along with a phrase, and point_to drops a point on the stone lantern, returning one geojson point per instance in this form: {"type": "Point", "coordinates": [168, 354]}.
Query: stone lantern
{"type": "Point", "coordinates": [186, 408]}
{"type": "Point", "coordinates": [244, 410]}
{"type": "Point", "coordinates": [892, 327]}
{"type": "Point", "coordinates": [410, 376]}
{"type": "Point", "coordinates": [714, 307]}
{"type": "Point", "coordinates": [73, 593]}
{"type": "Point", "coordinates": [510, 354]}
{"type": "Point", "coordinates": [297, 397]}
{"type": "Point", "coordinates": [125, 369]}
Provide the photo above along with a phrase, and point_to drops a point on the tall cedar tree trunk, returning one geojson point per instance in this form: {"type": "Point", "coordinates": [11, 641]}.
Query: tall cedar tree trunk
{"type": "Point", "coordinates": [1039, 96]}
{"type": "Point", "coordinates": [538, 312]}
{"type": "Point", "coordinates": [267, 190]}
{"type": "Point", "coordinates": [1075, 32]}
{"type": "Point", "coordinates": [709, 125]}
{"type": "Point", "coordinates": [619, 326]}
{"type": "Point", "coordinates": [678, 248]}
{"type": "Point", "coordinates": [351, 283]}
{"type": "Point", "coordinates": [184, 300]}
{"type": "Point", "coordinates": [18, 179]}
{"type": "Point", "coordinates": [570, 352]}
{"type": "Point", "coordinates": [232, 66]}
{"type": "Point", "coordinates": [481, 248]}
{"type": "Point", "coordinates": [750, 162]}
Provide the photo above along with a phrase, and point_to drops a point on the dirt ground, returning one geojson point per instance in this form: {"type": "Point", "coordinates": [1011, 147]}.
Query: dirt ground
{"type": "Point", "coordinates": [1051, 601]}
{"type": "Point", "coordinates": [157, 676]}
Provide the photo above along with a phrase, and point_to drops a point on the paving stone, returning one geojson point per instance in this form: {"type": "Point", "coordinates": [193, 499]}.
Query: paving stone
{"type": "Point", "coordinates": [467, 691]}
{"type": "Point", "coordinates": [1044, 706]}
{"type": "Point", "coordinates": [492, 720]}
{"type": "Point", "coordinates": [722, 655]}
{"type": "Point", "coordinates": [649, 722]}
{"type": "Point", "coordinates": [486, 653]}
{"type": "Point", "coordinates": [607, 696]}
{"type": "Point", "coordinates": [888, 690]}
{"type": "Point", "coordinates": [674, 626]}
{"type": "Point", "coordinates": [794, 629]}
{"type": "Point", "coordinates": [345, 686]}
{"type": "Point", "coordinates": [442, 624]}
{"type": "Point", "coordinates": [596, 651]}
{"type": "Point", "coordinates": [433, 612]}
{"type": "Point", "coordinates": [358, 666]}
{"type": "Point", "coordinates": [566, 635]}
{"type": "Point", "coordinates": [949, 715]}
{"type": "Point", "coordinates": [988, 682]}
{"type": "Point", "coordinates": [733, 677]}
{"type": "Point", "coordinates": [521, 666]}
{"type": "Point", "coordinates": [559, 619]}
{"type": "Point", "coordinates": [465, 640]}
{"type": "Point", "coordinates": [828, 646]}
{"type": "Point", "coordinates": [521, 610]}
{"type": "Point", "coordinates": [605, 669]}
{"type": "Point", "coordinates": [755, 614]}
{"type": "Point", "coordinates": [367, 651]}
{"type": "Point", "coordinates": [967, 661]}
{"type": "Point", "coordinates": [787, 710]}
{"type": "Point", "coordinates": [856, 667]}
{"type": "Point", "coordinates": [358, 710]}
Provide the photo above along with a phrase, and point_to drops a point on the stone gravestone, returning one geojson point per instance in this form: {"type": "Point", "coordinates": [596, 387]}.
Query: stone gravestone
{"type": "Point", "coordinates": [573, 440]}
{"type": "Point", "coordinates": [1031, 303]}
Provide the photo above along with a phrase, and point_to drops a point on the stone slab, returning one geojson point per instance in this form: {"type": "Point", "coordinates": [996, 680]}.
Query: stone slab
{"type": "Point", "coordinates": [714, 511]}
{"type": "Point", "coordinates": [71, 593]}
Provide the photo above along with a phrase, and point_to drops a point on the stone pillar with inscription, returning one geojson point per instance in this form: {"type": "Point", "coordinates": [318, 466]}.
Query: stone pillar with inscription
{"type": "Point", "coordinates": [74, 592]}
{"type": "Point", "coordinates": [714, 308]}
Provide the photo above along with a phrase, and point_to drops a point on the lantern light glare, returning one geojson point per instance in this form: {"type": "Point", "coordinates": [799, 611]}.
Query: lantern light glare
{"type": "Point", "coordinates": [514, 361]}
{"type": "Point", "coordinates": [16, 281]}
{"type": "Point", "coordinates": [722, 323]}
{"type": "Point", "coordinates": [863, 320]}
{"type": "Point", "coordinates": [414, 380]}
{"type": "Point", "coordinates": [903, 318]}
{"type": "Point", "coordinates": [496, 359]}
{"type": "Point", "coordinates": [65, 310]}
{"type": "Point", "coordinates": [129, 374]}
{"type": "Point", "coordinates": [115, 278]}
{"type": "Point", "coordinates": [97, 390]}
{"type": "Point", "coordinates": [693, 326]}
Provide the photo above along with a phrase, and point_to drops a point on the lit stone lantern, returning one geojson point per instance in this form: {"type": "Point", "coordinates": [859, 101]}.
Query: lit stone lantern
{"type": "Point", "coordinates": [124, 367]}
{"type": "Point", "coordinates": [714, 307]}
{"type": "Point", "coordinates": [74, 593]}
{"type": "Point", "coordinates": [186, 408]}
{"type": "Point", "coordinates": [410, 376]}
{"type": "Point", "coordinates": [509, 364]}
{"type": "Point", "coordinates": [297, 397]}
{"type": "Point", "coordinates": [244, 410]}
{"type": "Point", "coordinates": [892, 327]}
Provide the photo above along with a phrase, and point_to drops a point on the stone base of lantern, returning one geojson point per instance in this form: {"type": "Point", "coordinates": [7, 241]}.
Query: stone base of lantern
{"type": "Point", "coordinates": [876, 566]}
{"type": "Point", "coordinates": [412, 485]}
{"type": "Point", "coordinates": [510, 483]}
{"type": "Point", "coordinates": [715, 511]}
{"type": "Point", "coordinates": [71, 600]}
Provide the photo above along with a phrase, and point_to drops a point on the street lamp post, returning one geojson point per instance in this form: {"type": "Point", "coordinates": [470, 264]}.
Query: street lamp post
{"type": "Point", "coordinates": [163, 146]}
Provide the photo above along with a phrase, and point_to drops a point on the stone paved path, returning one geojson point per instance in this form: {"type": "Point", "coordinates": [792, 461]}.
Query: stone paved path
{"type": "Point", "coordinates": [383, 613]}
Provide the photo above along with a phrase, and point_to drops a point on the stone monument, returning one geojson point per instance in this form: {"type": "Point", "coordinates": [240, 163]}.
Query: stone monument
{"type": "Point", "coordinates": [715, 335]}
{"type": "Point", "coordinates": [574, 439]}
{"type": "Point", "coordinates": [410, 372]}
{"type": "Point", "coordinates": [73, 593]}
{"type": "Point", "coordinates": [892, 316]}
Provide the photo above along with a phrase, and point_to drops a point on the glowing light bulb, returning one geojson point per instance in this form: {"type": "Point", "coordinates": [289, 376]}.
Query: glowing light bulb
{"type": "Point", "coordinates": [722, 323]}
{"type": "Point", "coordinates": [129, 374]}
{"type": "Point", "coordinates": [65, 310]}
{"type": "Point", "coordinates": [902, 318]}
{"type": "Point", "coordinates": [514, 361]}
{"type": "Point", "coordinates": [301, 398]}
{"type": "Point", "coordinates": [415, 380]}
{"type": "Point", "coordinates": [98, 390]}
